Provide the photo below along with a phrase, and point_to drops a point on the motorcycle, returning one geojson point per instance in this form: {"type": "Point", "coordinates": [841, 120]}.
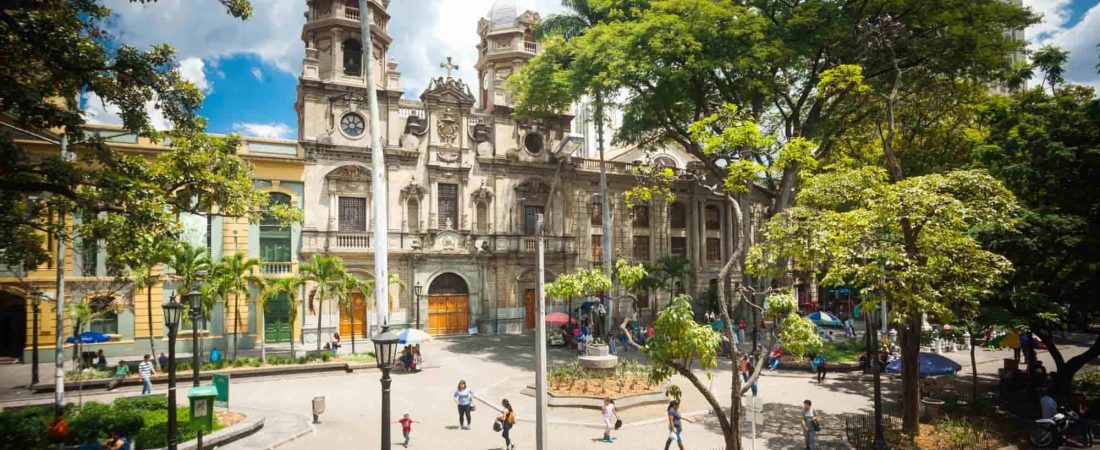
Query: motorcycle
{"type": "Point", "coordinates": [1052, 432]}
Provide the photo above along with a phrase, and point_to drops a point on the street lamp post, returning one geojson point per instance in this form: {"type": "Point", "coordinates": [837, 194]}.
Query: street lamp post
{"type": "Point", "coordinates": [36, 301]}
{"type": "Point", "coordinates": [172, 312]}
{"type": "Point", "coordinates": [875, 365]}
{"type": "Point", "coordinates": [418, 290]}
{"type": "Point", "coordinates": [385, 349]}
{"type": "Point", "coordinates": [194, 298]}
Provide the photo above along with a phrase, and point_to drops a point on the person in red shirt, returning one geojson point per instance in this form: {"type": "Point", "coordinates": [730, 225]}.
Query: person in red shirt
{"type": "Point", "coordinates": [406, 427]}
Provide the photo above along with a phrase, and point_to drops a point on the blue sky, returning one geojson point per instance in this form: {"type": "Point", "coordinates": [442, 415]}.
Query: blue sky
{"type": "Point", "coordinates": [249, 69]}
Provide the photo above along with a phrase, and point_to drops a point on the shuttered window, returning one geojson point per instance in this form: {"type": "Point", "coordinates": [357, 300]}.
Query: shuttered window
{"type": "Point", "coordinates": [448, 206]}
{"type": "Point", "coordinates": [353, 214]}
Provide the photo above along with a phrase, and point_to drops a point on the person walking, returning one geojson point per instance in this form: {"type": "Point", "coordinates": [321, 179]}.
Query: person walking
{"type": "Point", "coordinates": [675, 426]}
{"type": "Point", "coordinates": [406, 427]}
{"type": "Point", "coordinates": [809, 425]}
{"type": "Point", "coordinates": [163, 361]}
{"type": "Point", "coordinates": [507, 420]}
{"type": "Point", "coordinates": [464, 398]}
{"type": "Point", "coordinates": [741, 331]}
{"type": "Point", "coordinates": [146, 371]}
{"type": "Point", "coordinates": [608, 414]}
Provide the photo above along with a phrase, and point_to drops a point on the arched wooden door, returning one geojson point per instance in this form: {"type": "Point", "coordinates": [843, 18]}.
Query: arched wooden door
{"type": "Point", "coordinates": [448, 305]}
{"type": "Point", "coordinates": [359, 311]}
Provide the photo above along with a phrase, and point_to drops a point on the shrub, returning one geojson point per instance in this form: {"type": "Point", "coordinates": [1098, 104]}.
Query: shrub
{"type": "Point", "coordinates": [24, 428]}
{"type": "Point", "coordinates": [1087, 384]}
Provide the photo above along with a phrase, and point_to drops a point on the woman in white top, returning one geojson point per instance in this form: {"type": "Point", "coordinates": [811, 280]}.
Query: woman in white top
{"type": "Point", "coordinates": [464, 398]}
{"type": "Point", "coordinates": [609, 413]}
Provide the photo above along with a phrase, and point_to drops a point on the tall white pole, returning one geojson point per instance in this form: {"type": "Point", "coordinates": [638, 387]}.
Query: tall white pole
{"type": "Point", "coordinates": [378, 175]}
{"type": "Point", "coordinates": [605, 205]}
{"type": "Point", "coordinates": [541, 425]}
{"type": "Point", "coordinates": [59, 350]}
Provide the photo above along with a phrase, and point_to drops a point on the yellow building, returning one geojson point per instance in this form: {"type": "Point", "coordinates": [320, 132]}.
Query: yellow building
{"type": "Point", "coordinates": [278, 170]}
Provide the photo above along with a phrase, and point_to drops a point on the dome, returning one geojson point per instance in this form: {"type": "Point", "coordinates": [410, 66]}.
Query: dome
{"type": "Point", "coordinates": [503, 14]}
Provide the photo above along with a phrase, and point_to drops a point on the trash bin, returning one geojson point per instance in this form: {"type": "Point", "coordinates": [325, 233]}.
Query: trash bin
{"type": "Point", "coordinates": [202, 407]}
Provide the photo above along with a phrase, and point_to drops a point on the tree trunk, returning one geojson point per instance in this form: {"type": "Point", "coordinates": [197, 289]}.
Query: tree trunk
{"type": "Point", "coordinates": [973, 368]}
{"type": "Point", "coordinates": [1066, 369]}
{"type": "Point", "coordinates": [352, 315]}
{"type": "Point", "coordinates": [236, 322]}
{"type": "Point", "coordinates": [149, 310]}
{"type": "Point", "coordinates": [320, 306]}
{"type": "Point", "coordinates": [910, 392]}
{"type": "Point", "coordinates": [261, 332]}
{"type": "Point", "coordinates": [733, 437]}
{"type": "Point", "coordinates": [732, 427]}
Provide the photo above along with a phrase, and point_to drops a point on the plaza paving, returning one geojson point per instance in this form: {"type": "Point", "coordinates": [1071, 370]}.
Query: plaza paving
{"type": "Point", "coordinates": [498, 367]}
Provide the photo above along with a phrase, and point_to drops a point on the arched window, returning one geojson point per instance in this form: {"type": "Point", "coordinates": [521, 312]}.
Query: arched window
{"type": "Point", "coordinates": [353, 57]}
{"type": "Point", "coordinates": [712, 217]}
{"type": "Point", "coordinates": [677, 216]}
{"type": "Point", "coordinates": [482, 218]}
{"type": "Point", "coordinates": [663, 161]}
{"type": "Point", "coordinates": [274, 237]}
{"type": "Point", "coordinates": [413, 215]}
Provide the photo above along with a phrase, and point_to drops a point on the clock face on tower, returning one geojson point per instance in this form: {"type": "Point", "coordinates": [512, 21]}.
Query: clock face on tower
{"type": "Point", "coordinates": [352, 125]}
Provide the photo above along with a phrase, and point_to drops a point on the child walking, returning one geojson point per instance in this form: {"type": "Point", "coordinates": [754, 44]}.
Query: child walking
{"type": "Point", "coordinates": [406, 427]}
{"type": "Point", "coordinates": [609, 413]}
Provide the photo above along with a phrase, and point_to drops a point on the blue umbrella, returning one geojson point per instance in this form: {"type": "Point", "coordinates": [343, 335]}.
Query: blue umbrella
{"type": "Point", "coordinates": [929, 365]}
{"type": "Point", "coordinates": [822, 318]}
{"type": "Point", "coordinates": [90, 337]}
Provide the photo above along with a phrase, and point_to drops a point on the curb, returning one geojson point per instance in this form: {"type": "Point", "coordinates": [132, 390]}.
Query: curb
{"type": "Point", "coordinates": [240, 373]}
{"type": "Point", "coordinates": [223, 437]}
{"type": "Point", "coordinates": [597, 425]}
{"type": "Point", "coordinates": [312, 429]}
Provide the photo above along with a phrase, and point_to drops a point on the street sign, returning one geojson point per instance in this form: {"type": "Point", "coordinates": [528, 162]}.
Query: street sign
{"type": "Point", "coordinates": [221, 383]}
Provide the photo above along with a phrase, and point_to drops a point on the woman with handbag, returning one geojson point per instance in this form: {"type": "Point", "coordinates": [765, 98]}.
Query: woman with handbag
{"type": "Point", "coordinates": [464, 398]}
{"type": "Point", "coordinates": [810, 426]}
{"type": "Point", "coordinates": [507, 420]}
{"type": "Point", "coordinates": [675, 427]}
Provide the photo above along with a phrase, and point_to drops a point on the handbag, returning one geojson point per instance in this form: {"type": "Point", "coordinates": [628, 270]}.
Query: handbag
{"type": "Point", "coordinates": [473, 407]}
{"type": "Point", "coordinates": [497, 426]}
{"type": "Point", "coordinates": [816, 424]}
{"type": "Point", "coordinates": [618, 423]}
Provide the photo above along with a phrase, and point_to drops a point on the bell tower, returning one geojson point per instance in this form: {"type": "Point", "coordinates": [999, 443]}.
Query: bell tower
{"type": "Point", "coordinates": [331, 102]}
{"type": "Point", "coordinates": [507, 42]}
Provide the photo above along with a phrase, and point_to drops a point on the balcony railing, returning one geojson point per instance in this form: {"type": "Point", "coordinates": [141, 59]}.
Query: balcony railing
{"type": "Point", "coordinates": [351, 13]}
{"type": "Point", "coordinates": [612, 166]}
{"type": "Point", "coordinates": [276, 268]}
{"type": "Point", "coordinates": [362, 242]}
{"type": "Point", "coordinates": [531, 47]}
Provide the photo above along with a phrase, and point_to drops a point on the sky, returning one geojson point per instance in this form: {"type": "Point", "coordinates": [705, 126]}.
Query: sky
{"type": "Point", "coordinates": [249, 69]}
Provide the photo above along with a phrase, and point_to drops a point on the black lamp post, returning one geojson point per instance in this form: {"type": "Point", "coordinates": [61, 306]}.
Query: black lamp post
{"type": "Point", "coordinates": [875, 364]}
{"type": "Point", "coordinates": [385, 349]}
{"type": "Point", "coordinates": [36, 301]}
{"type": "Point", "coordinates": [418, 290]}
{"type": "Point", "coordinates": [173, 310]}
{"type": "Point", "coordinates": [194, 298]}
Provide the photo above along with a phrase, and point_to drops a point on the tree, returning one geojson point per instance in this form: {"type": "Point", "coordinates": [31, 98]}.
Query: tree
{"type": "Point", "coordinates": [679, 341]}
{"type": "Point", "coordinates": [190, 266]}
{"type": "Point", "coordinates": [1052, 61]}
{"type": "Point", "coordinates": [327, 273]}
{"type": "Point", "coordinates": [594, 282]}
{"type": "Point", "coordinates": [288, 288]}
{"type": "Point", "coordinates": [235, 275]}
{"type": "Point", "coordinates": [144, 276]}
{"type": "Point", "coordinates": [1046, 149]}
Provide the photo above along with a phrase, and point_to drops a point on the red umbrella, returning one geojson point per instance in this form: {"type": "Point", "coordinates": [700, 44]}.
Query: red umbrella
{"type": "Point", "coordinates": [558, 318]}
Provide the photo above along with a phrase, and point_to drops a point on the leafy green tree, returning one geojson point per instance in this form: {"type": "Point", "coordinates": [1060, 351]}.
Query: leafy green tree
{"type": "Point", "coordinates": [1052, 61]}
{"type": "Point", "coordinates": [235, 275]}
{"type": "Point", "coordinates": [287, 287]}
{"type": "Point", "coordinates": [59, 49]}
{"type": "Point", "coordinates": [327, 274]}
{"type": "Point", "coordinates": [594, 282]}
{"type": "Point", "coordinates": [1046, 149]}
{"type": "Point", "coordinates": [190, 266]}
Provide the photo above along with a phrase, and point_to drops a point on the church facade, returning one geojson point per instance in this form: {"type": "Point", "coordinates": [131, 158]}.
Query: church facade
{"type": "Point", "coordinates": [466, 182]}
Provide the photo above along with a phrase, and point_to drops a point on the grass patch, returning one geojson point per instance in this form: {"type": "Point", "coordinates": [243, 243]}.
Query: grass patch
{"type": "Point", "coordinates": [843, 352]}
{"type": "Point", "coordinates": [358, 357]}
{"type": "Point", "coordinates": [88, 374]}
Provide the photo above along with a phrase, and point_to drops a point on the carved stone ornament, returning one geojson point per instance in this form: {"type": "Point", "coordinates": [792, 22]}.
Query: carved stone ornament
{"type": "Point", "coordinates": [448, 242]}
{"type": "Point", "coordinates": [348, 179]}
{"type": "Point", "coordinates": [482, 195]}
{"type": "Point", "coordinates": [479, 130]}
{"type": "Point", "coordinates": [447, 155]}
{"type": "Point", "coordinates": [413, 190]}
{"type": "Point", "coordinates": [448, 127]}
{"type": "Point", "coordinates": [533, 186]}
{"type": "Point", "coordinates": [415, 129]}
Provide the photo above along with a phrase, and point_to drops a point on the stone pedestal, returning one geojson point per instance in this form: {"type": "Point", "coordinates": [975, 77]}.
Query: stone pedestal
{"type": "Point", "coordinates": [599, 360]}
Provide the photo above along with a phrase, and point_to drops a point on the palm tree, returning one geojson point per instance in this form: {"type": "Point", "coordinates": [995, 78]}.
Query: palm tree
{"type": "Point", "coordinates": [328, 273]}
{"type": "Point", "coordinates": [578, 17]}
{"type": "Point", "coordinates": [673, 270]}
{"type": "Point", "coordinates": [190, 264]}
{"type": "Point", "coordinates": [1052, 61]}
{"type": "Point", "coordinates": [288, 286]}
{"type": "Point", "coordinates": [394, 280]}
{"type": "Point", "coordinates": [144, 277]}
{"type": "Point", "coordinates": [235, 274]}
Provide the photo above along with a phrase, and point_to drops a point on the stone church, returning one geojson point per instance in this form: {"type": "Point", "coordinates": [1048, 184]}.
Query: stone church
{"type": "Point", "coordinates": [466, 182]}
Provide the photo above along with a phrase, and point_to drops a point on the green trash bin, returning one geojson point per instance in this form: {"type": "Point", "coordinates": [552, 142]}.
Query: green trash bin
{"type": "Point", "coordinates": [202, 407]}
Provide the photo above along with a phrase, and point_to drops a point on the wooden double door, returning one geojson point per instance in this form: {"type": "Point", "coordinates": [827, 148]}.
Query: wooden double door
{"type": "Point", "coordinates": [448, 314]}
{"type": "Point", "coordinates": [359, 311]}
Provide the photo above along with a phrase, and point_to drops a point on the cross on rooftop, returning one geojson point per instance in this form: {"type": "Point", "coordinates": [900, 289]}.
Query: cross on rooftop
{"type": "Point", "coordinates": [449, 66]}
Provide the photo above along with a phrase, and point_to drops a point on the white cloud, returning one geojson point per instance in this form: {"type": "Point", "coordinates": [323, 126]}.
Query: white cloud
{"type": "Point", "coordinates": [264, 130]}
{"type": "Point", "coordinates": [96, 110]}
{"type": "Point", "coordinates": [259, 74]}
{"type": "Point", "coordinates": [192, 69]}
{"type": "Point", "coordinates": [1080, 39]}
